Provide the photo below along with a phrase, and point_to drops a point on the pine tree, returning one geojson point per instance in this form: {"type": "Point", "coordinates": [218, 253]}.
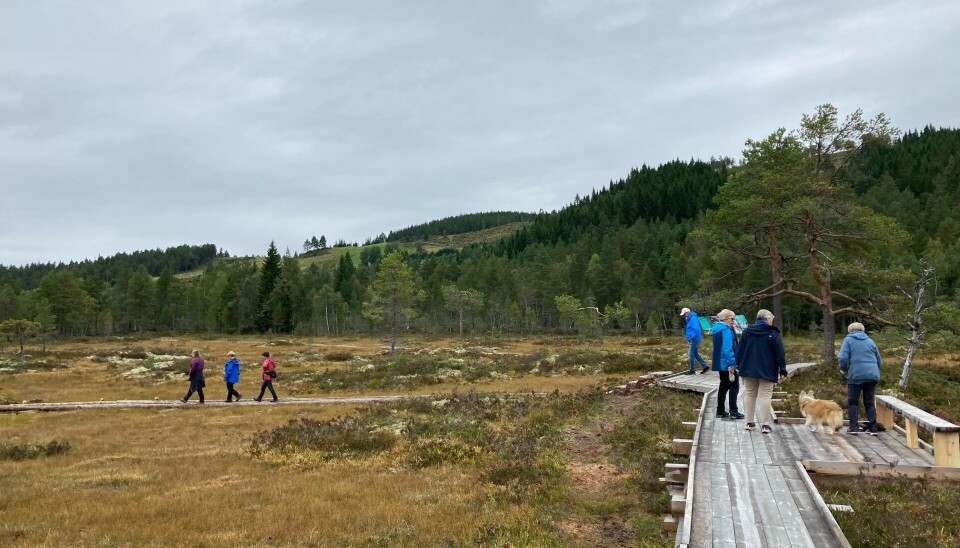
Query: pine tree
{"type": "Point", "coordinates": [269, 274]}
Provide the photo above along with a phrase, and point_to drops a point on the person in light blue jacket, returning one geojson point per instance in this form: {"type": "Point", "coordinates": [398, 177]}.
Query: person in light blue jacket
{"type": "Point", "coordinates": [725, 363]}
{"type": "Point", "coordinates": [231, 374]}
{"type": "Point", "coordinates": [694, 335]}
{"type": "Point", "coordinates": [860, 363]}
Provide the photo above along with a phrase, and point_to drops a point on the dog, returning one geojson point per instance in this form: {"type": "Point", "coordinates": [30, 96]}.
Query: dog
{"type": "Point", "coordinates": [822, 415]}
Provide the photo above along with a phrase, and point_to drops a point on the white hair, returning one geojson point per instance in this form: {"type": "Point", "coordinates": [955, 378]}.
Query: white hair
{"type": "Point", "coordinates": [765, 315]}
{"type": "Point", "coordinates": [855, 326]}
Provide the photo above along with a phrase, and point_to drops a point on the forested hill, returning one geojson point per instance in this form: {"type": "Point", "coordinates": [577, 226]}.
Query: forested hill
{"type": "Point", "coordinates": [459, 224]}
{"type": "Point", "coordinates": [679, 191]}
{"type": "Point", "coordinates": [917, 182]}
{"type": "Point", "coordinates": [117, 267]}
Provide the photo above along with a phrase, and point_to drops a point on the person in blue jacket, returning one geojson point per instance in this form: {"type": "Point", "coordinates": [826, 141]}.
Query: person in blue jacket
{"type": "Point", "coordinates": [761, 363]}
{"type": "Point", "coordinates": [231, 374]}
{"type": "Point", "coordinates": [725, 363]}
{"type": "Point", "coordinates": [694, 335]}
{"type": "Point", "coordinates": [860, 363]}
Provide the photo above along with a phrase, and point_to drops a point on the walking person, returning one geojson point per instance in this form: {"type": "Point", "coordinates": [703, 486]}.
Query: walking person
{"type": "Point", "coordinates": [694, 335]}
{"type": "Point", "coordinates": [197, 381]}
{"type": "Point", "coordinates": [725, 363]}
{"type": "Point", "coordinates": [761, 363]}
{"type": "Point", "coordinates": [231, 375]}
{"type": "Point", "coordinates": [269, 373]}
{"type": "Point", "coordinates": [860, 363]}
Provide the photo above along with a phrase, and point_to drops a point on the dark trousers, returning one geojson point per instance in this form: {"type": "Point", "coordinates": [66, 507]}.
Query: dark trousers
{"type": "Point", "coordinates": [264, 387]}
{"type": "Point", "coordinates": [190, 392]}
{"type": "Point", "coordinates": [232, 392]}
{"type": "Point", "coordinates": [868, 389]}
{"type": "Point", "coordinates": [729, 386]}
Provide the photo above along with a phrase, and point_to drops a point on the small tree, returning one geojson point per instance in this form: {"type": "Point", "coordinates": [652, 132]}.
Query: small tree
{"type": "Point", "coordinates": [916, 320]}
{"type": "Point", "coordinates": [393, 295]}
{"type": "Point", "coordinates": [20, 330]}
{"type": "Point", "coordinates": [460, 301]}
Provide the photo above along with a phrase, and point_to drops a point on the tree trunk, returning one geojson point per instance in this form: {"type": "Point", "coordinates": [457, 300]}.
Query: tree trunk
{"type": "Point", "coordinates": [776, 275]}
{"type": "Point", "coordinates": [461, 327]}
{"type": "Point", "coordinates": [916, 325]}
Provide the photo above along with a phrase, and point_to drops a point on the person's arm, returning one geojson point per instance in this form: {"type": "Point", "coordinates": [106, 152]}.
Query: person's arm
{"type": "Point", "coordinates": [844, 357]}
{"type": "Point", "coordinates": [780, 355]}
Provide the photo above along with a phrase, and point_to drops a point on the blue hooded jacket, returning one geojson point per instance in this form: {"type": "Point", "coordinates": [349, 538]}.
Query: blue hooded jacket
{"type": "Point", "coordinates": [760, 353]}
{"type": "Point", "coordinates": [694, 331]}
{"type": "Point", "coordinates": [860, 357]}
{"type": "Point", "coordinates": [231, 371]}
{"type": "Point", "coordinates": [724, 341]}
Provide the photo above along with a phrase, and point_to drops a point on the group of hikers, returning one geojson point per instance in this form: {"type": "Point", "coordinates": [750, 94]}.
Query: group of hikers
{"type": "Point", "coordinates": [231, 375]}
{"type": "Point", "coordinates": [757, 356]}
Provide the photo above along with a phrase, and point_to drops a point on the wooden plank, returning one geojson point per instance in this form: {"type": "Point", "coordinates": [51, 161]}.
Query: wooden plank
{"type": "Point", "coordinates": [873, 470]}
{"type": "Point", "coordinates": [684, 531]}
{"type": "Point", "coordinates": [772, 526]}
{"type": "Point", "coordinates": [789, 512]}
{"type": "Point", "coordinates": [885, 417]}
{"type": "Point", "coordinates": [818, 529]}
{"type": "Point", "coordinates": [886, 454]}
{"type": "Point", "coordinates": [840, 538]}
{"type": "Point", "coordinates": [746, 528]}
{"type": "Point", "coordinates": [840, 508]}
{"type": "Point", "coordinates": [682, 446]}
{"type": "Point", "coordinates": [920, 456]}
{"type": "Point", "coordinates": [921, 417]}
{"type": "Point", "coordinates": [946, 448]}
{"type": "Point", "coordinates": [703, 505]}
{"type": "Point", "coordinates": [912, 437]}
{"type": "Point", "coordinates": [670, 524]}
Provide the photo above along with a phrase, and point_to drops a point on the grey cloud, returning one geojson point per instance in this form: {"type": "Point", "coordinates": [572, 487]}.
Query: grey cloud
{"type": "Point", "coordinates": [131, 125]}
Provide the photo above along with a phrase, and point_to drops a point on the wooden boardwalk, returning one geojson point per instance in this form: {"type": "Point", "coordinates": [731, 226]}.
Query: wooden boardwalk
{"type": "Point", "coordinates": [193, 403]}
{"type": "Point", "coordinates": [750, 489]}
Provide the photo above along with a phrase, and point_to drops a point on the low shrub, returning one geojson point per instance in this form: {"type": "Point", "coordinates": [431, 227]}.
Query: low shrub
{"type": "Point", "coordinates": [23, 452]}
{"type": "Point", "coordinates": [338, 356]}
{"type": "Point", "coordinates": [342, 436]}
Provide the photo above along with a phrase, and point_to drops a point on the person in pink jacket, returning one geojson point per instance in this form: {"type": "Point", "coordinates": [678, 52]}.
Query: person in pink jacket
{"type": "Point", "coordinates": [269, 373]}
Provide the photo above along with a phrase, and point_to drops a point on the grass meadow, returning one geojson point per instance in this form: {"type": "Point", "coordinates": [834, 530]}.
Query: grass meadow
{"type": "Point", "coordinates": [517, 444]}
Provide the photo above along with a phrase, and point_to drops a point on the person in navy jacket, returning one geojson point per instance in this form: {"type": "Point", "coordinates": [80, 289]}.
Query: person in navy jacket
{"type": "Point", "coordinates": [231, 375]}
{"type": "Point", "coordinates": [761, 363]}
{"type": "Point", "coordinates": [694, 335]}
{"type": "Point", "coordinates": [725, 363]}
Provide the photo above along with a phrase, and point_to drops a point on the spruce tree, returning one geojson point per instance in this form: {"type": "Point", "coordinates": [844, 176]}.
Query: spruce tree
{"type": "Point", "coordinates": [269, 274]}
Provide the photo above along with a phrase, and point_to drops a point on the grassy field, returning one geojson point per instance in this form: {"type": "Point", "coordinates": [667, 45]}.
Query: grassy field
{"type": "Point", "coordinates": [481, 462]}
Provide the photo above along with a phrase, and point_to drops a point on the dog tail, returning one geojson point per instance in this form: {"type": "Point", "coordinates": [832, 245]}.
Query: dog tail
{"type": "Point", "coordinates": [836, 420]}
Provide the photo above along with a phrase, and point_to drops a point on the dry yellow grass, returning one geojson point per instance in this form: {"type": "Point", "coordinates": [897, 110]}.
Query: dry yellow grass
{"type": "Point", "coordinates": [182, 477]}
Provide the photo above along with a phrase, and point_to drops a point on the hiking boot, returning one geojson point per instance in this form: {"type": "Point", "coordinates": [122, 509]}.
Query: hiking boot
{"type": "Point", "coordinates": [853, 431]}
{"type": "Point", "coordinates": [722, 415]}
{"type": "Point", "coordinates": [704, 370]}
{"type": "Point", "coordinates": [765, 429]}
{"type": "Point", "coordinates": [751, 426]}
{"type": "Point", "coordinates": [736, 416]}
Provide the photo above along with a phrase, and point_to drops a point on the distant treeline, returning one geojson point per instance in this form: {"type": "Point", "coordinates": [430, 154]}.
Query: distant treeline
{"type": "Point", "coordinates": [117, 267]}
{"type": "Point", "coordinates": [629, 246]}
{"type": "Point", "coordinates": [458, 224]}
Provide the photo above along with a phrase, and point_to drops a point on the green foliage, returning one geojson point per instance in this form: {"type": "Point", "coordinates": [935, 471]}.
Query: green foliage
{"type": "Point", "coordinates": [24, 452]}
{"type": "Point", "coordinates": [393, 295]}
{"type": "Point", "coordinates": [896, 511]}
{"type": "Point", "coordinates": [457, 225]}
{"type": "Point", "coordinates": [269, 275]}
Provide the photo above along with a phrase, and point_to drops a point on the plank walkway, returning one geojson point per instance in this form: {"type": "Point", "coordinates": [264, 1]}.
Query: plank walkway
{"type": "Point", "coordinates": [748, 489]}
{"type": "Point", "coordinates": [193, 403]}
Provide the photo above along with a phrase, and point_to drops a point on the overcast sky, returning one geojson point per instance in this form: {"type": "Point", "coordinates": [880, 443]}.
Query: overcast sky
{"type": "Point", "coordinates": [128, 125]}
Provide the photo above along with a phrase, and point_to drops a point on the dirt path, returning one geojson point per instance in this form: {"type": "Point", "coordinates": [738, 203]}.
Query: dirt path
{"type": "Point", "coordinates": [596, 480]}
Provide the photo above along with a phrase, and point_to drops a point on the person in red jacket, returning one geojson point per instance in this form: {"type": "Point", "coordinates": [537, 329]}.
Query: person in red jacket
{"type": "Point", "coordinates": [269, 373]}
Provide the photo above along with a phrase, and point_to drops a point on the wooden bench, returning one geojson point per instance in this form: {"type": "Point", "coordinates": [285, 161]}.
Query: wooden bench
{"type": "Point", "coordinates": [946, 435]}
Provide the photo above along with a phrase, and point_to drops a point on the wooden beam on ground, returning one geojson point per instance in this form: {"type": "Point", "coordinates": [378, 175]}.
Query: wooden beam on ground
{"type": "Point", "coordinates": [875, 470]}
{"type": "Point", "coordinates": [670, 524]}
{"type": "Point", "coordinates": [682, 446]}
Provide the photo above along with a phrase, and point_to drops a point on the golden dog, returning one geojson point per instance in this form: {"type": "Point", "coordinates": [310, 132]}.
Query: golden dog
{"type": "Point", "coordinates": [822, 415]}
